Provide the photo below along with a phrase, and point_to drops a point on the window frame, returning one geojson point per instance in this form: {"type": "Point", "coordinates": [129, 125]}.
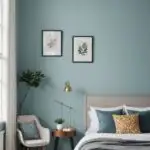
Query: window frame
{"type": "Point", "coordinates": [1, 56]}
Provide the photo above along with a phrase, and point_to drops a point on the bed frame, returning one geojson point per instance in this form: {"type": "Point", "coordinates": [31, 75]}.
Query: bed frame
{"type": "Point", "coordinates": [113, 101]}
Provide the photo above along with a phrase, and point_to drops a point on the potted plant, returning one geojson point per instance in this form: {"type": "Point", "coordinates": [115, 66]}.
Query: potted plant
{"type": "Point", "coordinates": [59, 123]}
{"type": "Point", "coordinates": [32, 79]}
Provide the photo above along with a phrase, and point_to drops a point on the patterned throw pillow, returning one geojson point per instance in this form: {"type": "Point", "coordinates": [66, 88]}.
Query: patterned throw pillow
{"type": "Point", "coordinates": [127, 124]}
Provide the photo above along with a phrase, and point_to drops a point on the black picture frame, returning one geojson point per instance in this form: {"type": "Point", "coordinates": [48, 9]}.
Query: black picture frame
{"type": "Point", "coordinates": [60, 42]}
{"type": "Point", "coordinates": [92, 49]}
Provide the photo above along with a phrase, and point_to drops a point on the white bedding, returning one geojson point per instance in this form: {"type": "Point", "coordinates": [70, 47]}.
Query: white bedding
{"type": "Point", "coordinates": [138, 137]}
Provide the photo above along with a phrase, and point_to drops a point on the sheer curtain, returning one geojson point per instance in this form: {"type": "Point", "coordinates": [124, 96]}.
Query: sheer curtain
{"type": "Point", "coordinates": [8, 78]}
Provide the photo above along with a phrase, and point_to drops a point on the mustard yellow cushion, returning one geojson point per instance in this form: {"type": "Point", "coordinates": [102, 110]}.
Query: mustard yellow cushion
{"type": "Point", "coordinates": [127, 123]}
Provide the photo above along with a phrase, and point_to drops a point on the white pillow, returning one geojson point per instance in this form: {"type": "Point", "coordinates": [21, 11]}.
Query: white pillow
{"type": "Point", "coordinates": [107, 108]}
{"type": "Point", "coordinates": [126, 108]}
{"type": "Point", "coordinates": [94, 122]}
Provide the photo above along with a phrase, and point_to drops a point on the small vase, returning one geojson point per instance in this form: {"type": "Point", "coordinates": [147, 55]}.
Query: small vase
{"type": "Point", "coordinates": [59, 126]}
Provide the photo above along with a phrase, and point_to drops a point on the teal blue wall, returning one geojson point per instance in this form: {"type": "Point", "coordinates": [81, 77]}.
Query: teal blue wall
{"type": "Point", "coordinates": [121, 52]}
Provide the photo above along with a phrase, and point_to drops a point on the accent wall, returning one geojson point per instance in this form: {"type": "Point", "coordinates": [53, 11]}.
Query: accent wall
{"type": "Point", "coordinates": [121, 30]}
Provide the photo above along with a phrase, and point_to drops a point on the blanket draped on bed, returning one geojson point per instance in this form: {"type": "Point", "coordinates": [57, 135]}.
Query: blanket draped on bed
{"type": "Point", "coordinates": [114, 144]}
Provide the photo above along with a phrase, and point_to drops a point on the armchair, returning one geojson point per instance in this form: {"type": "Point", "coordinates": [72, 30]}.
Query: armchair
{"type": "Point", "coordinates": [44, 133]}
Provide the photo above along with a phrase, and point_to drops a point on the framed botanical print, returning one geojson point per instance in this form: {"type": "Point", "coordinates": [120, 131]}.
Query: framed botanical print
{"type": "Point", "coordinates": [82, 49]}
{"type": "Point", "coordinates": [52, 43]}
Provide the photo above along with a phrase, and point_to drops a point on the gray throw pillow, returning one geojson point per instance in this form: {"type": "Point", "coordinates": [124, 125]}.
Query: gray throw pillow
{"type": "Point", "coordinates": [29, 130]}
{"type": "Point", "coordinates": [106, 122]}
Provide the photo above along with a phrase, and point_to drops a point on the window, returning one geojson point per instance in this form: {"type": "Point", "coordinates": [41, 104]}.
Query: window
{"type": "Point", "coordinates": [0, 59]}
{"type": "Point", "coordinates": [7, 40]}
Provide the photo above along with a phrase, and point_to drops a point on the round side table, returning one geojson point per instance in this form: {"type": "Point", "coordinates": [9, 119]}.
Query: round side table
{"type": "Point", "coordinates": [58, 134]}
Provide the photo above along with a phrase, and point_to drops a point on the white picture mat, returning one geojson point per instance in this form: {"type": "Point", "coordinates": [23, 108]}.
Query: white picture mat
{"type": "Point", "coordinates": [78, 41]}
{"type": "Point", "coordinates": [56, 49]}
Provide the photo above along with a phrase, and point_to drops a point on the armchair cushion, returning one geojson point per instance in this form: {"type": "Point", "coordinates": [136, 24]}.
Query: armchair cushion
{"type": "Point", "coordinates": [29, 130]}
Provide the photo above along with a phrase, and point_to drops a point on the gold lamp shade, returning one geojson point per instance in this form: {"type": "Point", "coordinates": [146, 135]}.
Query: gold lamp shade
{"type": "Point", "coordinates": [68, 87]}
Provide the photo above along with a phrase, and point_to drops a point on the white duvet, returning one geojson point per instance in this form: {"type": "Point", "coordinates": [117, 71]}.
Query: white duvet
{"type": "Point", "coordinates": [138, 137]}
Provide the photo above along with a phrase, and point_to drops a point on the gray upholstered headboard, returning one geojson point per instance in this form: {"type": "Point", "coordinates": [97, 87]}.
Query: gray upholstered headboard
{"type": "Point", "coordinates": [113, 101]}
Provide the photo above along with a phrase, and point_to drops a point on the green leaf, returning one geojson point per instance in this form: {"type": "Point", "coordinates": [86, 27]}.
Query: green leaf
{"type": "Point", "coordinates": [32, 78]}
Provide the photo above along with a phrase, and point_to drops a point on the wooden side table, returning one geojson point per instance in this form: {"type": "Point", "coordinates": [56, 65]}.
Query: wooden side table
{"type": "Point", "coordinates": [57, 134]}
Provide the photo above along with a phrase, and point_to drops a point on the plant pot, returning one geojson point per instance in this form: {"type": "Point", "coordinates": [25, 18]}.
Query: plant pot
{"type": "Point", "coordinates": [59, 126]}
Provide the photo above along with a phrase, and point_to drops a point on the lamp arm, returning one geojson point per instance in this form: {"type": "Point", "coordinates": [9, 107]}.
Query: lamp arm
{"type": "Point", "coordinates": [68, 106]}
{"type": "Point", "coordinates": [61, 103]}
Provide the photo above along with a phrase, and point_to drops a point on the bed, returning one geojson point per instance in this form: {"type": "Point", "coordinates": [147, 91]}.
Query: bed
{"type": "Point", "coordinates": [115, 141]}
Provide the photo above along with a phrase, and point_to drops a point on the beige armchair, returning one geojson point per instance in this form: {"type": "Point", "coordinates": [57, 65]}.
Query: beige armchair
{"type": "Point", "coordinates": [44, 133]}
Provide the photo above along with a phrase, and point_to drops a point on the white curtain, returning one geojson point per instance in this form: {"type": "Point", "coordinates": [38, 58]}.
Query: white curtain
{"type": "Point", "coordinates": [9, 71]}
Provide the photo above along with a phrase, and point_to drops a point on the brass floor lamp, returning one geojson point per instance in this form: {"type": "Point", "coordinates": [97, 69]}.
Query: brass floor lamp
{"type": "Point", "coordinates": [67, 89]}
